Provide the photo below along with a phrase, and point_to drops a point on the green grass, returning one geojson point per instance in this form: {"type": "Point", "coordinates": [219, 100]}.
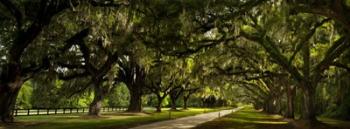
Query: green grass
{"type": "Point", "coordinates": [107, 121]}
{"type": "Point", "coordinates": [336, 123]}
{"type": "Point", "coordinates": [248, 118]}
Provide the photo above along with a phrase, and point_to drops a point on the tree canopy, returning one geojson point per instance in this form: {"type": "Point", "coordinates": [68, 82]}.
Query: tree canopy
{"type": "Point", "coordinates": [284, 57]}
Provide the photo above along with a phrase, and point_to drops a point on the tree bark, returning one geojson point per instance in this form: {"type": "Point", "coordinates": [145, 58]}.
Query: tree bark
{"type": "Point", "coordinates": [159, 103]}
{"type": "Point", "coordinates": [174, 95]}
{"type": "Point", "coordinates": [185, 98]}
{"type": "Point", "coordinates": [11, 78]}
{"type": "Point", "coordinates": [308, 86]}
{"type": "Point", "coordinates": [96, 105]}
{"type": "Point", "coordinates": [135, 102]}
{"type": "Point", "coordinates": [270, 105]}
{"type": "Point", "coordinates": [290, 102]}
{"type": "Point", "coordinates": [8, 100]}
{"type": "Point", "coordinates": [309, 112]}
{"type": "Point", "coordinates": [10, 85]}
{"type": "Point", "coordinates": [173, 104]}
{"type": "Point", "coordinates": [159, 107]}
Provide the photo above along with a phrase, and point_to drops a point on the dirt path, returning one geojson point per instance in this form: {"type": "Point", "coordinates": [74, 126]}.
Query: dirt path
{"type": "Point", "coordinates": [187, 122]}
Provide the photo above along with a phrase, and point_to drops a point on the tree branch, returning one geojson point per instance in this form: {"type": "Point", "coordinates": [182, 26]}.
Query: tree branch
{"type": "Point", "coordinates": [77, 38]}
{"type": "Point", "coordinates": [204, 44]}
{"type": "Point", "coordinates": [270, 47]}
{"type": "Point", "coordinates": [81, 90]}
{"type": "Point", "coordinates": [14, 11]}
{"type": "Point", "coordinates": [333, 10]}
{"type": "Point", "coordinates": [333, 52]}
{"type": "Point", "coordinates": [70, 66]}
{"type": "Point", "coordinates": [307, 38]}
{"type": "Point", "coordinates": [106, 3]}
{"type": "Point", "coordinates": [340, 65]}
{"type": "Point", "coordinates": [72, 76]}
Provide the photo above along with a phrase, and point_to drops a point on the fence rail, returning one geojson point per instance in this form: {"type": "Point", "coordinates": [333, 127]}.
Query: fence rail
{"type": "Point", "coordinates": [54, 111]}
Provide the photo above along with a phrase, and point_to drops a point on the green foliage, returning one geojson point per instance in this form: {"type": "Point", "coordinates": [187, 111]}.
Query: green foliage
{"type": "Point", "coordinates": [24, 96]}
{"type": "Point", "coordinates": [342, 111]}
{"type": "Point", "coordinates": [347, 3]}
{"type": "Point", "coordinates": [334, 100]}
{"type": "Point", "coordinates": [38, 93]}
{"type": "Point", "coordinates": [151, 100]}
{"type": "Point", "coordinates": [119, 97]}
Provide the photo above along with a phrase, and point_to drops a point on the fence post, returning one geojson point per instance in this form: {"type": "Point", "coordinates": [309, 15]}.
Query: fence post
{"type": "Point", "coordinates": [38, 111]}
{"type": "Point", "coordinates": [55, 110]}
{"type": "Point", "coordinates": [16, 112]}
{"type": "Point", "coordinates": [48, 111]}
{"type": "Point", "coordinates": [64, 111]}
{"type": "Point", "coordinates": [71, 110]}
{"type": "Point", "coordinates": [77, 110]}
{"type": "Point", "coordinates": [83, 110]}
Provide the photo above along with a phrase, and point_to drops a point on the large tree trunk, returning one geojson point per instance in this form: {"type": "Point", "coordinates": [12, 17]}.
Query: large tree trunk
{"type": "Point", "coordinates": [8, 95]}
{"type": "Point", "coordinates": [135, 102]}
{"type": "Point", "coordinates": [96, 105]}
{"type": "Point", "coordinates": [270, 105]}
{"type": "Point", "coordinates": [159, 107]}
{"type": "Point", "coordinates": [185, 99]}
{"type": "Point", "coordinates": [173, 103]}
{"type": "Point", "coordinates": [159, 103]}
{"type": "Point", "coordinates": [174, 95]}
{"type": "Point", "coordinates": [308, 86]}
{"type": "Point", "coordinates": [290, 102]}
{"type": "Point", "coordinates": [309, 111]}
{"type": "Point", "coordinates": [11, 76]}
{"type": "Point", "coordinates": [8, 101]}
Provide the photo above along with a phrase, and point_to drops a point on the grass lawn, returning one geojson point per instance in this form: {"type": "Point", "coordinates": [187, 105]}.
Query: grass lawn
{"type": "Point", "coordinates": [248, 118]}
{"type": "Point", "coordinates": [117, 120]}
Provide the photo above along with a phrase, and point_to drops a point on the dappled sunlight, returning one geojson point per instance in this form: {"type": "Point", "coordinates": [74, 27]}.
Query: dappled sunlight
{"type": "Point", "coordinates": [269, 122]}
{"type": "Point", "coordinates": [247, 118]}
{"type": "Point", "coordinates": [339, 123]}
{"type": "Point", "coordinates": [240, 120]}
{"type": "Point", "coordinates": [248, 115]}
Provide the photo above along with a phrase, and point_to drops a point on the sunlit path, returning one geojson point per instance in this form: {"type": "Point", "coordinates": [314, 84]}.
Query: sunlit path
{"type": "Point", "coordinates": [187, 122]}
